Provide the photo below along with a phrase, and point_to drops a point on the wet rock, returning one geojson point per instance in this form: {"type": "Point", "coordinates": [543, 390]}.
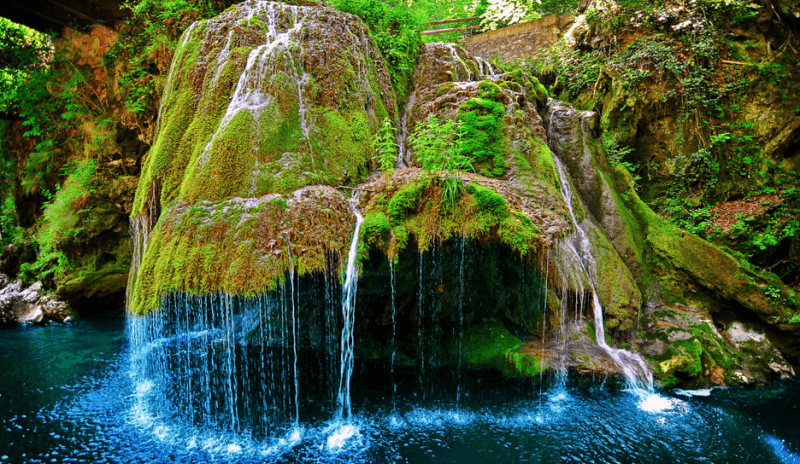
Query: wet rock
{"type": "Point", "coordinates": [763, 359]}
{"type": "Point", "coordinates": [684, 347]}
{"type": "Point", "coordinates": [574, 348]}
{"type": "Point", "coordinates": [27, 313]}
{"type": "Point", "coordinates": [570, 137]}
{"type": "Point", "coordinates": [19, 305]}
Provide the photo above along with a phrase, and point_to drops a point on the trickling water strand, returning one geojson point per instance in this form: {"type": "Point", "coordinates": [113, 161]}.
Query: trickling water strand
{"type": "Point", "coordinates": [454, 56]}
{"type": "Point", "coordinates": [247, 95]}
{"type": "Point", "coordinates": [402, 134]}
{"type": "Point", "coordinates": [420, 313]}
{"type": "Point", "coordinates": [394, 326]}
{"type": "Point", "coordinates": [632, 365]}
{"type": "Point", "coordinates": [460, 318]}
{"type": "Point", "coordinates": [348, 311]}
{"type": "Point", "coordinates": [294, 338]}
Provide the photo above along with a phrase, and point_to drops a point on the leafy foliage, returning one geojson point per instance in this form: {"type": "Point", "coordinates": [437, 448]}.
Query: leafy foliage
{"type": "Point", "coordinates": [145, 47]}
{"type": "Point", "coordinates": [395, 28]}
{"type": "Point", "coordinates": [438, 147]}
{"type": "Point", "coordinates": [22, 53]}
{"type": "Point", "coordinates": [386, 146]}
{"type": "Point", "coordinates": [502, 13]}
{"type": "Point", "coordinates": [61, 227]}
{"type": "Point", "coordinates": [9, 231]}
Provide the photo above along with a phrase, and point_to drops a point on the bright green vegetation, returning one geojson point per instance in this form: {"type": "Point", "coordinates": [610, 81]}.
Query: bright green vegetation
{"type": "Point", "coordinates": [490, 344]}
{"type": "Point", "coordinates": [487, 344]}
{"type": "Point", "coordinates": [241, 247]}
{"type": "Point", "coordinates": [21, 54]}
{"type": "Point", "coordinates": [204, 154]}
{"type": "Point", "coordinates": [9, 231]}
{"type": "Point", "coordinates": [385, 145]}
{"type": "Point", "coordinates": [524, 364]}
{"type": "Point", "coordinates": [55, 209]}
{"type": "Point", "coordinates": [395, 29]}
{"type": "Point", "coordinates": [420, 210]}
{"type": "Point", "coordinates": [482, 132]}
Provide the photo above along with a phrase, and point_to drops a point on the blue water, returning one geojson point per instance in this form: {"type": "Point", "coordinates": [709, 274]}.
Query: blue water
{"type": "Point", "coordinates": [67, 395]}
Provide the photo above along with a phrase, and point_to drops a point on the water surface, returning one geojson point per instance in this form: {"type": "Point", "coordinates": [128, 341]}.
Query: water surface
{"type": "Point", "coordinates": [67, 395]}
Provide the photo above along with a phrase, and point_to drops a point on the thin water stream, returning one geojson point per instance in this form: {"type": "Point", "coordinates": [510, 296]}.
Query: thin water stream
{"type": "Point", "coordinates": [637, 374]}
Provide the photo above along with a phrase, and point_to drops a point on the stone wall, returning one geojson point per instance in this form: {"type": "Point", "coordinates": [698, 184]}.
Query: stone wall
{"type": "Point", "coordinates": [520, 41]}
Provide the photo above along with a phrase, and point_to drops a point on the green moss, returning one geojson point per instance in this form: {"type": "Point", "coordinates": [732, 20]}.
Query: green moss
{"type": "Point", "coordinates": [486, 344]}
{"type": "Point", "coordinates": [519, 232]}
{"type": "Point", "coordinates": [533, 88]}
{"type": "Point", "coordinates": [685, 358]}
{"type": "Point", "coordinates": [376, 229]}
{"type": "Point", "coordinates": [344, 141]}
{"type": "Point", "coordinates": [490, 91]}
{"type": "Point", "coordinates": [444, 88]}
{"type": "Point", "coordinates": [225, 169]}
{"type": "Point", "coordinates": [487, 199]}
{"type": "Point", "coordinates": [240, 248]}
{"type": "Point", "coordinates": [526, 364]}
{"type": "Point", "coordinates": [482, 135]}
{"type": "Point", "coordinates": [404, 201]}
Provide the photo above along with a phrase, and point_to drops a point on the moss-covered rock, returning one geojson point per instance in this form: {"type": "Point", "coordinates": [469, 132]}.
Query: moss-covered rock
{"type": "Point", "coordinates": [686, 346]}
{"type": "Point", "coordinates": [267, 98]}
{"type": "Point", "coordinates": [262, 100]}
{"type": "Point", "coordinates": [240, 246]}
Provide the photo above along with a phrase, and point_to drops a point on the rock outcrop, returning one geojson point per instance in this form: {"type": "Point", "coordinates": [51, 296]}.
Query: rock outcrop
{"type": "Point", "coordinates": [686, 346]}
{"type": "Point", "coordinates": [24, 306]}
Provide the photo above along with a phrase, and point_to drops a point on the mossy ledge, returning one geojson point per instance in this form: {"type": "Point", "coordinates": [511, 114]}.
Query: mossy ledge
{"type": "Point", "coordinates": [241, 246]}
{"type": "Point", "coordinates": [408, 208]}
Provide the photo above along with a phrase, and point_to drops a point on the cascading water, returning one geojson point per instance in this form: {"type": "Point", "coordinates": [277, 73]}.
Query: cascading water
{"type": "Point", "coordinates": [344, 410]}
{"type": "Point", "coordinates": [638, 376]}
{"type": "Point", "coordinates": [344, 429]}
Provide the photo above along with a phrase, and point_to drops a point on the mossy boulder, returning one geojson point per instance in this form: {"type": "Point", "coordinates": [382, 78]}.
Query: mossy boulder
{"type": "Point", "coordinates": [261, 101]}
{"type": "Point", "coordinates": [685, 346]}
{"type": "Point", "coordinates": [266, 98]}
{"type": "Point", "coordinates": [240, 246]}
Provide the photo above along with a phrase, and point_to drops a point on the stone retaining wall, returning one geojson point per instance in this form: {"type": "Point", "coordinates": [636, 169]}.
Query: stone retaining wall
{"type": "Point", "coordinates": [521, 40]}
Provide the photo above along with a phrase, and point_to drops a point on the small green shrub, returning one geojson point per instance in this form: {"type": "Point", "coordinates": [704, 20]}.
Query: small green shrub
{"type": "Point", "coordinates": [384, 142]}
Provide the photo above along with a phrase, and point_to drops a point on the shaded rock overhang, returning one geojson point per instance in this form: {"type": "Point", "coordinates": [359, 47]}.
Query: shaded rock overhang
{"type": "Point", "coordinates": [45, 15]}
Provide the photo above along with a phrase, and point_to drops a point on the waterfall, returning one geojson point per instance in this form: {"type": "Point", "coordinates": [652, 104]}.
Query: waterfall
{"type": "Point", "coordinates": [344, 410]}
{"type": "Point", "coordinates": [637, 375]}
{"type": "Point", "coordinates": [294, 339]}
{"type": "Point", "coordinates": [394, 326]}
{"type": "Point", "coordinates": [247, 95]}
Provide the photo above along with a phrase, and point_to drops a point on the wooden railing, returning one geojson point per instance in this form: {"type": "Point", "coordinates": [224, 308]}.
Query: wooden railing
{"type": "Point", "coordinates": [451, 29]}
